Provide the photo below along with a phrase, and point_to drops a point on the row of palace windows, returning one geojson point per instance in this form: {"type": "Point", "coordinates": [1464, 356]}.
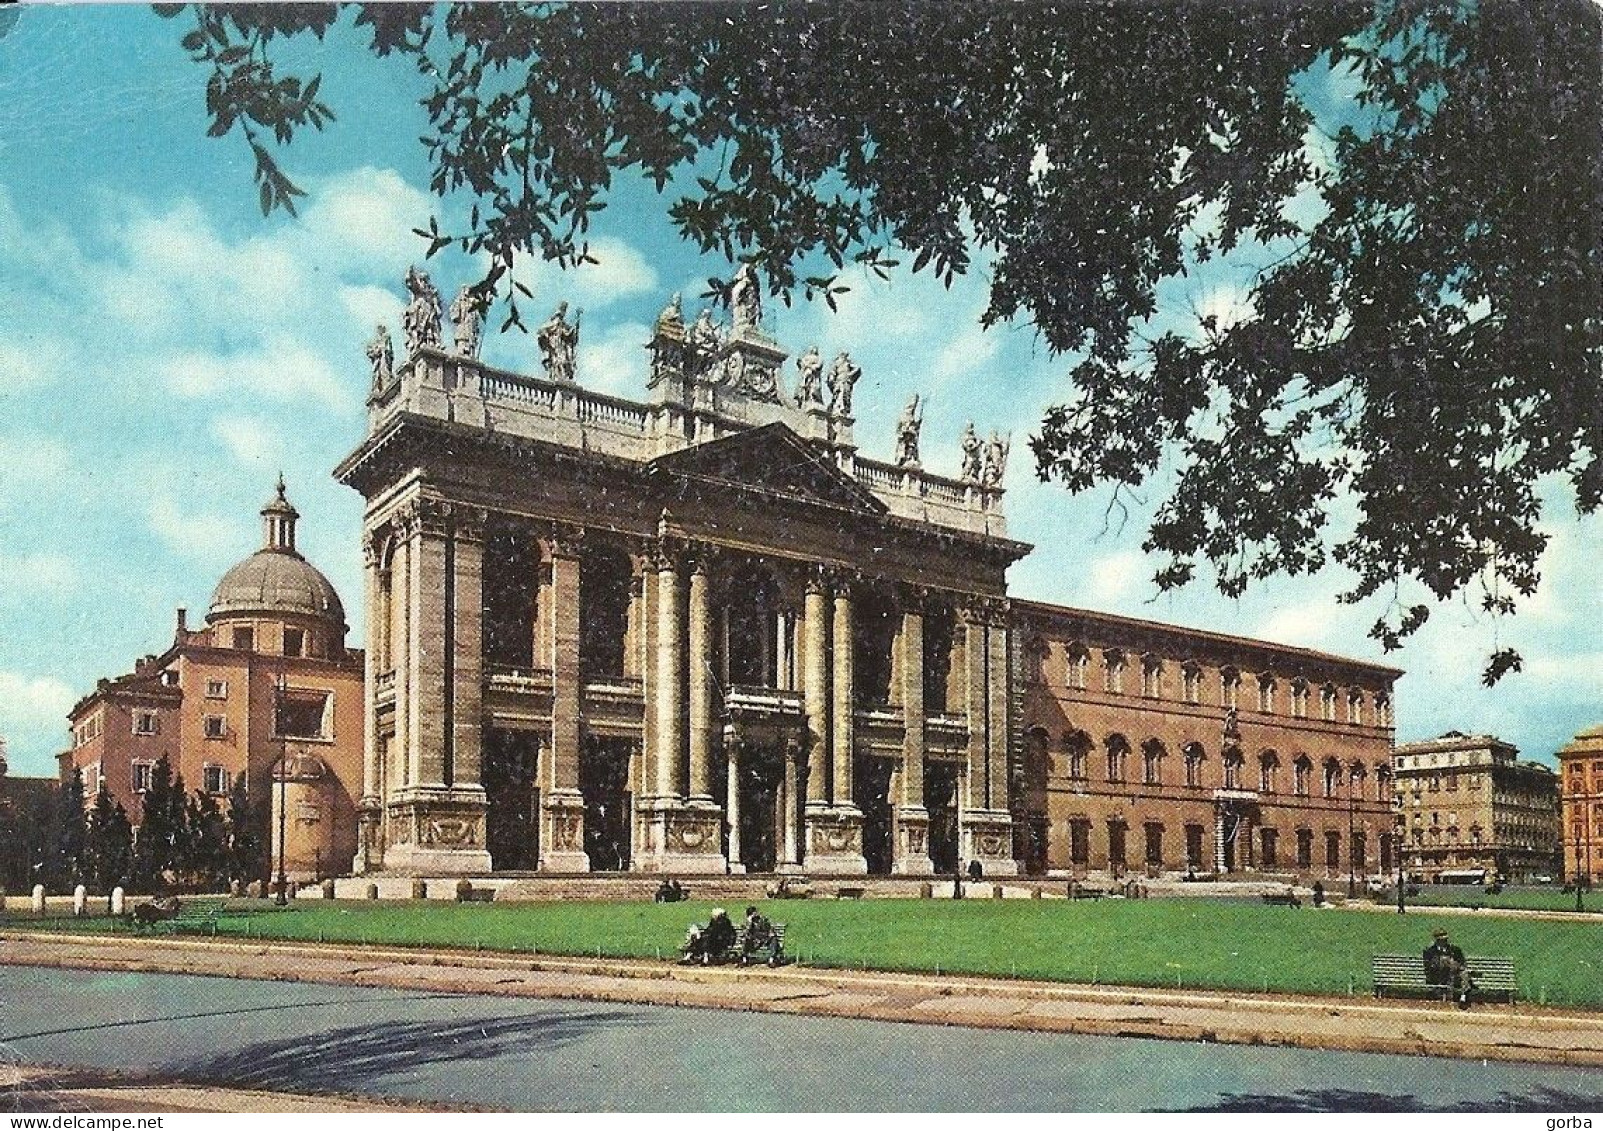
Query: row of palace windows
{"type": "Point", "coordinates": [1118, 756]}
{"type": "Point", "coordinates": [1115, 663]}
{"type": "Point", "coordinates": [1268, 849]}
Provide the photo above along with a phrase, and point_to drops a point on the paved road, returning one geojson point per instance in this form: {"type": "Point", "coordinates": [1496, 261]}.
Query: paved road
{"type": "Point", "coordinates": [531, 1054]}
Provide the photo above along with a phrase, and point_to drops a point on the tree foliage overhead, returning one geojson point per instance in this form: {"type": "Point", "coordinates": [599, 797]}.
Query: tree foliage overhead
{"type": "Point", "coordinates": [1424, 342]}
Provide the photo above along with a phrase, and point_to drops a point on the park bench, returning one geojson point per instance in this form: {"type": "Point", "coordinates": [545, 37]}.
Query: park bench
{"type": "Point", "coordinates": [850, 893]}
{"type": "Point", "coordinates": [1282, 899]}
{"type": "Point", "coordinates": [1080, 891]}
{"type": "Point", "coordinates": [776, 949]}
{"type": "Point", "coordinates": [1403, 975]}
{"type": "Point", "coordinates": [198, 915]}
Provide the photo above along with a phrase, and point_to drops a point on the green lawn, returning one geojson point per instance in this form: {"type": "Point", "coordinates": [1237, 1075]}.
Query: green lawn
{"type": "Point", "coordinates": [1179, 942]}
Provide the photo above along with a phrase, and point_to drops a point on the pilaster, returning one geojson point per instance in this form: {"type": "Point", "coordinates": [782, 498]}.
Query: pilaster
{"type": "Point", "coordinates": [561, 803]}
{"type": "Point", "coordinates": [910, 850]}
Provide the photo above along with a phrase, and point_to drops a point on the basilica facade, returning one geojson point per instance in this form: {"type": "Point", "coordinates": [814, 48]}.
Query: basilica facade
{"type": "Point", "coordinates": [703, 633]}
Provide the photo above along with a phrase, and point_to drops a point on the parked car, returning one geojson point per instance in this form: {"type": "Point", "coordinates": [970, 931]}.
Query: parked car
{"type": "Point", "coordinates": [1544, 879]}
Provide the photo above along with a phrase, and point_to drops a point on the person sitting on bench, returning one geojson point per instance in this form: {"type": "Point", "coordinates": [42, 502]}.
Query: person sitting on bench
{"type": "Point", "coordinates": [712, 941]}
{"type": "Point", "coordinates": [1446, 969]}
{"type": "Point", "coordinates": [759, 934]}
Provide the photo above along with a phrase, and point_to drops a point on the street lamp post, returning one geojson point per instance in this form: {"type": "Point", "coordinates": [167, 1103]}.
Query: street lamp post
{"type": "Point", "coordinates": [1402, 876]}
{"type": "Point", "coordinates": [282, 897]}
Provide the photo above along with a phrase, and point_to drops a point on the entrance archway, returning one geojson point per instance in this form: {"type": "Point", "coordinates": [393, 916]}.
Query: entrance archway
{"type": "Point", "coordinates": [940, 798]}
{"type": "Point", "coordinates": [873, 790]}
{"type": "Point", "coordinates": [512, 826]}
{"type": "Point", "coordinates": [604, 782]}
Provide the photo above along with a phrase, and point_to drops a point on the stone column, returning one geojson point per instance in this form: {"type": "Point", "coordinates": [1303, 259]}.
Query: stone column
{"type": "Point", "coordinates": [911, 846]}
{"type": "Point", "coordinates": [370, 806]}
{"type": "Point", "coordinates": [701, 687]}
{"type": "Point", "coordinates": [987, 833]}
{"type": "Point", "coordinates": [788, 788]}
{"type": "Point", "coordinates": [732, 803]}
{"type": "Point", "coordinates": [437, 817]}
{"type": "Point", "coordinates": [561, 803]}
{"type": "Point", "coordinates": [815, 690]}
{"type": "Point", "coordinates": [844, 707]}
{"type": "Point", "coordinates": [670, 691]}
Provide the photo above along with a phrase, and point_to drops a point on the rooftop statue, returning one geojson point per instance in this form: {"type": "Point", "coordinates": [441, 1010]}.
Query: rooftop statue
{"type": "Point", "coordinates": [672, 314]}
{"type": "Point", "coordinates": [559, 344]}
{"type": "Point", "coordinates": [810, 381]}
{"type": "Point", "coordinates": [381, 355]}
{"type": "Point", "coordinates": [843, 375]}
{"type": "Point", "coordinates": [995, 459]}
{"type": "Point", "coordinates": [971, 454]}
{"type": "Point", "coordinates": [705, 341]}
{"type": "Point", "coordinates": [907, 429]}
{"type": "Point", "coordinates": [745, 299]}
{"type": "Point", "coordinates": [421, 320]}
{"type": "Point", "coordinates": [467, 315]}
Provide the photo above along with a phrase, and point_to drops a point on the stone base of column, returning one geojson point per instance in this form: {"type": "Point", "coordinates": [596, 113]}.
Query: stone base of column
{"type": "Point", "coordinates": [369, 836]}
{"type": "Point", "coordinates": [437, 833]}
{"type": "Point", "coordinates": [986, 835]}
{"type": "Point", "coordinates": [911, 852]}
{"type": "Point", "coordinates": [562, 832]}
{"type": "Point", "coordinates": [834, 841]}
{"type": "Point", "coordinates": [683, 838]}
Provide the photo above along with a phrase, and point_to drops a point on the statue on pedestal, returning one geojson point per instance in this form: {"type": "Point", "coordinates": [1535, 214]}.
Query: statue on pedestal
{"type": "Point", "coordinates": [745, 299]}
{"type": "Point", "coordinates": [995, 460]}
{"type": "Point", "coordinates": [421, 321]}
{"type": "Point", "coordinates": [971, 454]}
{"type": "Point", "coordinates": [559, 344]}
{"type": "Point", "coordinates": [810, 382]}
{"type": "Point", "coordinates": [843, 375]}
{"type": "Point", "coordinates": [907, 429]}
{"type": "Point", "coordinates": [381, 355]}
{"type": "Point", "coordinates": [705, 343]}
{"type": "Point", "coordinates": [467, 316]}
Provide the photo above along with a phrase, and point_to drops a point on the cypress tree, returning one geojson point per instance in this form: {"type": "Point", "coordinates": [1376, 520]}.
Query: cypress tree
{"type": "Point", "coordinates": [66, 868]}
{"type": "Point", "coordinates": [206, 848]}
{"type": "Point", "coordinates": [244, 824]}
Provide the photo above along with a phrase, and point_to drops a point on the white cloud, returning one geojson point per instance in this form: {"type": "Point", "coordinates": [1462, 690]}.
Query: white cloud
{"type": "Point", "coordinates": [367, 214]}
{"type": "Point", "coordinates": [30, 458]}
{"type": "Point", "coordinates": [33, 703]}
{"type": "Point", "coordinates": [284, 369]}
{"type": "Point", "coordinates": [249, 439]}
{"type": "Point", "coordinates": [1112, 579]}
{"type": "Point", "coordinates": [195, 535]}
{"type": "Point", "coordinates": [31, 577]}
{"type": "Point", "coordinates": [620, 272]}
{"type": "Point", "coordinates": [29, 363]}
{"type": "Point", "coordinates": [616, 362]}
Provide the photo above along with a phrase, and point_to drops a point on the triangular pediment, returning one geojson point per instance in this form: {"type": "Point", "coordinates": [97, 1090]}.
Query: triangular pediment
{"type": "Point", "coordinates": [772, 460]}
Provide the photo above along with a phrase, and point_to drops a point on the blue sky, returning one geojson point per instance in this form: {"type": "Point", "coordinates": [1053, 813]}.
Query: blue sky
{"type": "Point", "coordinates": [165, 351]}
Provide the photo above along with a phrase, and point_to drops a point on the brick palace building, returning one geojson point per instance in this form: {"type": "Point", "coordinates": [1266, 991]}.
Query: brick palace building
{"type": "Point", "coordinates": [1580, 767]}
{"type": "Point", "coordinates": [704, 633]}
{"type": "Point", "coordinates": [267, 680]}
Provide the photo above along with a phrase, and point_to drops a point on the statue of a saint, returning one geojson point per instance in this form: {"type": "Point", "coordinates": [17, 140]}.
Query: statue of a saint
{"type": "Point", "coordinates": [467, 315]}
{"type": "Point", "coordinates": [421, 320]}
{"type": "Point", "coordinates": [745, 299]}
{"type": "Point", "coordinates": [672, 314]}
{"type": "Point", "coordinates": [843, 375]}
{"type": "Point", "coordinates": [995, 460]}
{"type": "Point", "coordinates": [705, 342]}
{"type": "Point", "coordinates": [810, 379]}
{"type": "Point", "coordinates": [381, 355]}
{"type": "Point", "coordinates": [559, 344]}
{"type": "Point", "coordinates": [971, 454]}
{"type": "Point", "coordinates": [907, 428]}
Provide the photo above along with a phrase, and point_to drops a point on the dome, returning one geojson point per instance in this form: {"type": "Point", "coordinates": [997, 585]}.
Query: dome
{"type": "Point", "coordinates": [276, 580]}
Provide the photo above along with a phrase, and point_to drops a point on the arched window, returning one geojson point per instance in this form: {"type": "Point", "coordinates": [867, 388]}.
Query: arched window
{"type": "Point", "coordinates": [1079, 660]}
{"type": "Point", "coordinates": [1229, 687]}
{"type": "Point", "coordinates": [1152, 762]}
{"type": "Point", "coordinates": [1113, 671]}
{"type": "Point", "coordinates": [1076, 745]}
{"type": "Point", "coordinates": [1268, 771]}
{"type": "Point", "coordinates": [1383, 782]}
{"type": "Point", "coordinates": [1355, 706]}
{"type": "Point", "coordinates": [1355, 779]}
{"type": "Point", "coordinates": [1266, 693]}
{"type": "Point", "coordinates": [1194, 759]}
{"type": "Point", "coordinates": [1151, 676]}
{"type": "Point", "coordinates": [1191, 676]}
{"type": "Point", "coordinates": [1299, 698]}
{"type": "Point", "coordinates": [1332, 777]}
{"type": "Point", "coordinates": [1232, 761]}
{"type": "Point", "coordinates": [1302, 769]}
{"type": "Point", "coordinates": [1327, 703]}
{"type": "Point", "coordinates": [1117, 749]}
{"type": "Point", "coordinates": [1382, 709]}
